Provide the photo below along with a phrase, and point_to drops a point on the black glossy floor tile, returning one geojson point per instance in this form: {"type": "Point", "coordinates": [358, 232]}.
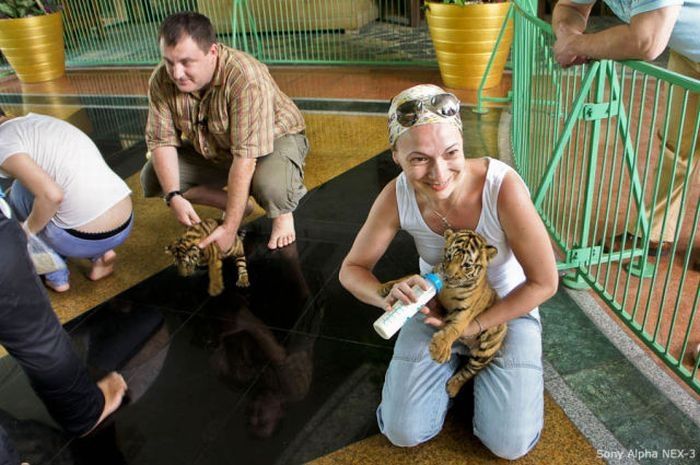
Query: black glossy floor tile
{"type": "Point", "coordinates": [340, 206]}
{"type": "Point", "coordinates": [141, 342]}
{"type": "Point", "coordinates": [170, 291]}
{"type": "Point", "coordinates": [177, 400]}
{"type": "Point", "coordinates": [321, 398]}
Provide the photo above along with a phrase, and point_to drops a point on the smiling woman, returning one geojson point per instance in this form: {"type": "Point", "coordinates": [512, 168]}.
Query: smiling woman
{"type": "Point", "coordinates": [439, 189]}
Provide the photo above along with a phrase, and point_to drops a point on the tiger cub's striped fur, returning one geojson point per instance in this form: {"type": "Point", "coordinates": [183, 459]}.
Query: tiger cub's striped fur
{"type": "Point", "coordinates": [188, 256]}
{"type": "Point", "coordinates": [465, 294]}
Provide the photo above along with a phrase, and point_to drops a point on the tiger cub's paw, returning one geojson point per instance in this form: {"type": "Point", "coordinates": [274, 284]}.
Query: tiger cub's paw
{"type": "Point", "coordinates": [243, 281]}
{"type": "Point", "coordinates": [440, 349]}
{"type": "Point", "coordinates": [385, 289]}
{"type": "Point", "coordinates": [454, 385]}
{"type": "Point", "coordinates": [215, 290]}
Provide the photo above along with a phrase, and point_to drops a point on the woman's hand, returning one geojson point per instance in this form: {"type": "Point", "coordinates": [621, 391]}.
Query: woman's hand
{"type": "Point", "coordinates": [402, 291]}
{"type": "Point", "coordinates": [434, 314]}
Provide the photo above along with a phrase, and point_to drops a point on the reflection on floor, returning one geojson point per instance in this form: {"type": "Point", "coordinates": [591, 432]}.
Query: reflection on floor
{"type": "Point", "coordinates": [289, 371]}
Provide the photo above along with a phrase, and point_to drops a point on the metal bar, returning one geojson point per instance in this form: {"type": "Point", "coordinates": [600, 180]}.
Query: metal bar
{"type": "Point", "coordinates": [568, 126]}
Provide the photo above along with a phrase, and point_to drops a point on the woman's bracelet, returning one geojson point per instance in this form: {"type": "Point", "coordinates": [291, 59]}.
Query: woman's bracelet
{"type": "Point", "coordinates": [481, 328]}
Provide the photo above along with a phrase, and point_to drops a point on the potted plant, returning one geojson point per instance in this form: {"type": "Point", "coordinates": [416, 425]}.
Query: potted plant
{"type": "Point", "coordinates": [464, 35]}
{"type": "Point", "coordinates": [31, 38]}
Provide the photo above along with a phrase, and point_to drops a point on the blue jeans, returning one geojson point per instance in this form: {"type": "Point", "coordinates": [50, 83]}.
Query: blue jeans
{"type": "Point", "coordinates": [508, 393]}
{"type": "Point", "coordinates": [66, 245]}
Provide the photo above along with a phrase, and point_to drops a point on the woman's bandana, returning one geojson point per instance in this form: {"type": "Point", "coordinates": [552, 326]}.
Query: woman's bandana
{"type": "Point", "coordinates": [420, 93]}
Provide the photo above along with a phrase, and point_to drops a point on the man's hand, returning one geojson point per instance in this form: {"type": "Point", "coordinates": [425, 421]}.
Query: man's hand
{"type": "Point", "coordinates": [184, 211]}
{"type": "Point", "coordinates": [223, 238]}
{"type": "Point", "coordinates": [565, 50]}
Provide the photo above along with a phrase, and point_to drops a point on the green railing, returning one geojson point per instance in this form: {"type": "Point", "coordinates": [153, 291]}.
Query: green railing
{"type": "Point", "coordinates": [589, 142]}
{"type": "Point", "coordinates": [124, 32]}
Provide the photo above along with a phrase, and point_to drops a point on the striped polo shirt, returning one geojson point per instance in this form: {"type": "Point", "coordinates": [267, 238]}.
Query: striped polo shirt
{"type": "Point", "coordinates": [241, 113]}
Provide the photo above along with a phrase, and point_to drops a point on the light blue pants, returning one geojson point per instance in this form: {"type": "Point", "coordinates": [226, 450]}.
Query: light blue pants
{"type": "Point", "coordinates": [64, 244]}
{"type": "Point", "coordinates": [508, 393]}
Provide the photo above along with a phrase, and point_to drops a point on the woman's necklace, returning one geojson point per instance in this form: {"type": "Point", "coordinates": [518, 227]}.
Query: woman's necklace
{"type": "Point", "coordinates": [445, 223]}
{"type": "Point", "coordinates": [443, 218]}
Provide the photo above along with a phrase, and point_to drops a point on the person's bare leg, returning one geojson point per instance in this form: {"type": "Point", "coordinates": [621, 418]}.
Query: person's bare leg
{"type": "Point", "coordinates": [205, 195]}
{"type": "Point", "coordinates": [283, 232]}
{"type": "Point", "coordinates": [103, 266]}
{"type": "Point", "coordinates": [212, 197]}
{"type": "Point", "coordinates": [113, 388]}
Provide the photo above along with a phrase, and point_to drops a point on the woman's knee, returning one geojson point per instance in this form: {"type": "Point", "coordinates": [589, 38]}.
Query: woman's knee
{"type": "Point", "coordinates": [509, 406]}
{"type": "Point", "coordinates": [511, 426]}
{"type": "Point", "coordinates": [510, 445]}
{"type": "Point", "coordinates": [402, 428]}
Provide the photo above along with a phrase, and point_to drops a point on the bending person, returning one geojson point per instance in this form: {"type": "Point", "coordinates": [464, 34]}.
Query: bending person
{"type": "Point", "coordinates": [64, 192]}
{"type": "Point", "coordinates": [440, 189]}
{"type": "Point", "coordinates": [32, 334]}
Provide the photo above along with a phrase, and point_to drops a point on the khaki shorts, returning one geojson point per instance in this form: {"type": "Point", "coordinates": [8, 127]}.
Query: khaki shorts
{"type": "Point", "coordinates": [278, 181]}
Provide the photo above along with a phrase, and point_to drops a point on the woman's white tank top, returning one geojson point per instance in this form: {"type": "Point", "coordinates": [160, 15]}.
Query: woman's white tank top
{"type": "Point", "coordinates": [504, 271]}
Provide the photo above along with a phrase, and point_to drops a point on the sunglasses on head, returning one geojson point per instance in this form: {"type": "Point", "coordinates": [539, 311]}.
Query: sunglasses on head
{"type": "Point", "coordinates": [445, 105]}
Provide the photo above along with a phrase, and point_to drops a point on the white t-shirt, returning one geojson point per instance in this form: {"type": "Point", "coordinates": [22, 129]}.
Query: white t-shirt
{"type": "Point", "coordinates": [71, 159]}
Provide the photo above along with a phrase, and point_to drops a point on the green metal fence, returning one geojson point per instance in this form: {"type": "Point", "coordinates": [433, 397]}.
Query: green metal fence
{"type": "Point", "coordinates": [590, 142]}
{"type": "Point", "coordinates": [124, 32]}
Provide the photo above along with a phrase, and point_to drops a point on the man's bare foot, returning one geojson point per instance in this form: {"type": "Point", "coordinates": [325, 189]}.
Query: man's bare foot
{"type": "Point", "coordinates": [57, 287]}
{"type": "Point", "coordinates": [113, 388]}
{"type": "Point", "coordinates": [103, 266]}
{"type": "Point", "coordinates": [283, 232]}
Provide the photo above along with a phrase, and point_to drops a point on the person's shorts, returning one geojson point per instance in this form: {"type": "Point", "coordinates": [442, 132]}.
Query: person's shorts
{"type": "Point", "coordinates": [277, 184]}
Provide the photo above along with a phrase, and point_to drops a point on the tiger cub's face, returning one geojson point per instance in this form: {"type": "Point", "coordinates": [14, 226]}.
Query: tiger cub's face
{"type": "Point", "coordinates": [186, 255]}
{"type": "Point", "coordinates": [465, 258]}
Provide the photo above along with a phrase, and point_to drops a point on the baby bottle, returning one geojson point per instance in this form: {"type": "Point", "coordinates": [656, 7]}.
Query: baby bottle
{"type": "Point", "coordinates": [391, 321]}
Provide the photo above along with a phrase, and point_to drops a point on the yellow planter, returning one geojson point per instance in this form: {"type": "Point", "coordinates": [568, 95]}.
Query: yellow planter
{"type": "Point", "coordinates": [34, 46]}
{"type": "Point", "coordinates": [464, 38]}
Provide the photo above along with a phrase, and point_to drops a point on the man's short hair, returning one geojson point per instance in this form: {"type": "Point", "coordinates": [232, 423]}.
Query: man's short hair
{"type": "Point", "coordinates": [187, 23]}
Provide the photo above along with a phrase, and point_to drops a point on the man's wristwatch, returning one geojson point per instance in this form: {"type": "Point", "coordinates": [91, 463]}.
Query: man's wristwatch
{"type": "Point", "coordinates": [169, 196]}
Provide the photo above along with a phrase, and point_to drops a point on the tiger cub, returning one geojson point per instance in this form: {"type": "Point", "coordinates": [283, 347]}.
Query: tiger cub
{"type": "Point", "coordinates": [465, 294]}
{"type": "Point", "coordinates": [188, 256]}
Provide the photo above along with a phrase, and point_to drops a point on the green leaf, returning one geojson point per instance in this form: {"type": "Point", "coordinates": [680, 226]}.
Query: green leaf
{"type": "Point", "coordinates": [6, 9]}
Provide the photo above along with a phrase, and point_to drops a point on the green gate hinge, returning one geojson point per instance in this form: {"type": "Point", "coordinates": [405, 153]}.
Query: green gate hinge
{"type": "Point", "coordinates": [584, 256]}
{"type": "Point", "coordinates": [595, 111]}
